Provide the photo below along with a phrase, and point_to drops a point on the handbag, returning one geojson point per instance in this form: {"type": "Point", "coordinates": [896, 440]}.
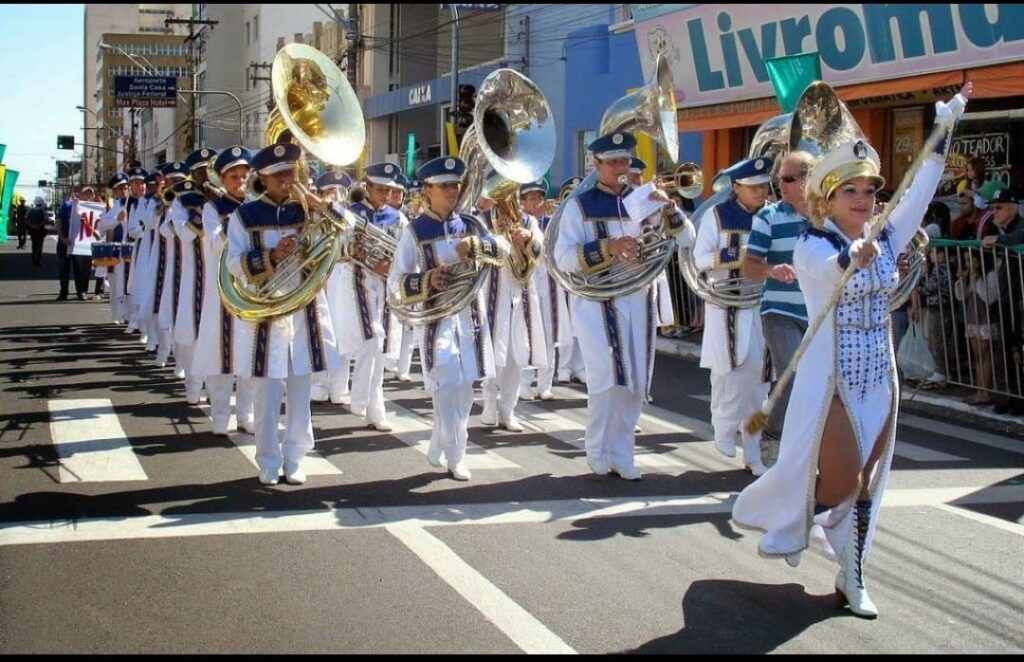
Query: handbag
{"type": "Point", "coordinates": [914, 357]}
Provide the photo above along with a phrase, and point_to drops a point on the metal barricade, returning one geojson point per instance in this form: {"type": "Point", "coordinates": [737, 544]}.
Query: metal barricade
{"type": "Point", "coordinates": [971, 299]}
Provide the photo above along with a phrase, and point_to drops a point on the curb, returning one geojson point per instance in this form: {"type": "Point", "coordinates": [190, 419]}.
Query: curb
{"type": "Point", "coordinates": [945, 408]}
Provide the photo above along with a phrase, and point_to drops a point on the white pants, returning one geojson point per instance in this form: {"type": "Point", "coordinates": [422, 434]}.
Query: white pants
{"type": "Point", "coordinates": [735, 396]}
{"type": "Point", "coordinates": [570, 362]}
{"type": "Point", "coordinates": [164, 339]}
{"type": "Point", "coordinates": [451, 420]}
{"type": "Point", "coordinates": [183, 357]}
{"type": "Point", "coordinates": [507, 382]}
{"type": "Point", "coordinates": [298, 433]}
{"type": "Point", "coordinates": [405, 353]}
{"type": "Point", "coordinates": [368, 382]}
{"type": "Point", "coordinates": [218, 389]}
{"type": "Point", "coordinates": [611, 419]}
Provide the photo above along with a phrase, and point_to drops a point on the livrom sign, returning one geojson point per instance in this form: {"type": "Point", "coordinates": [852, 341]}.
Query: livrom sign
{"type": "Point", "coordinates": [717, 52]}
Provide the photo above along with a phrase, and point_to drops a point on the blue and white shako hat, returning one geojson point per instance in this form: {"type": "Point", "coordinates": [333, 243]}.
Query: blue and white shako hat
{"type": "Point", "coordinates": [188, 194]}
{"type": "Point", "coordinates": [442, 170]}
{"type": "Point", "coordinates": [538, 185]}
{"type": "Point", "coordinates": [382, 173]}
{"type": "Point", "coordinates": [174, 169]}
{"type": "Point", "coordinates": [331, 180]}
{"type": "Point", "coordinates": [154, 176]}
{"type": "Point", "coordinates": [119, 179]}
{"type": "Point", "coordinates": [137, 173]}
{"type": "Point", "coordinates": [637, 165]}
{"type": "Point", "coordinates": [401, 181]}
{"type": "Point", "coordinates": [750, 172]}
{"type": "Point", "coordinates": [231, 157]}
{"type": "Point", "coordinates": [276, 158]}
{"type": "Point", "coordinates": [198, 158]}
{"type": "Point", "coordinates": [570, 183]}
{"type": "Point", "coordinates": [846, 161]}
{"type": "Point", "coordinates": [415, 185]}
{"type": "Point", "coordinates": [613, 145]}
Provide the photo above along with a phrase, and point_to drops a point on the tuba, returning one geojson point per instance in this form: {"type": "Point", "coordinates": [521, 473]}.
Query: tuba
{"type": "Point", "coordinates": [513, 133]}
{"type": "Point", "coordinates": [651, 109]}
{"type": "Point", "coordinates": [819, 122]}
{"type": "Point", "coordinates": [316, 105]}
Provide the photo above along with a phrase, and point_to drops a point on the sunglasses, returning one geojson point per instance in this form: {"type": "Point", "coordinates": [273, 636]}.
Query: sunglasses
{"type": "Point", "coordinates": [789, 179]}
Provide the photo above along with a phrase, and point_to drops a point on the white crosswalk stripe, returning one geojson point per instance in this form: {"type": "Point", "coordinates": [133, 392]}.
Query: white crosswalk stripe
{"type": "Point", "coordinates": [90, 442]}
{"type": "Point", "coordinates": [414, 430]}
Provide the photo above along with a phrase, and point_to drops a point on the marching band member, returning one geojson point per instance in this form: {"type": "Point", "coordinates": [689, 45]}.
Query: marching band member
{"type": "Point", "coordinates": [142, 226]}
{"type": "Point", "coordinates": [187, 215]}
{"type": "Point", "coordinates": [369, 321]}
{"type": "Point", "coordinates": [395, 341]}
{"type": "Point", "coordinates": [517, 330]}
{"type": "Point", "coordinates": [554, 307]}
{"type": "Point", "coordinates": [411, 208]}
{"type": "Point", "coordinates": [733, 345]}
{"type": "Point", "coordinates": [137, 177]}
{"type": "Point", "coordinates": [334, 384]}
{"type": "Point", "coordinates": [216, 354]}
{"type": "Point", "coordinates": [115, 220]}
{"type": "Point", "coordinates": [279, 354]}
{"type": "Point", "coordinates": [455, 350]}
{"type": "Point", "coordinates": [616, 336]}
{"type": "Point", "coordinates": [840, 427]}
{"type": "Point", "coordinates": [167, 268]}
{"type": "Point", "coordinates": [570, 363]}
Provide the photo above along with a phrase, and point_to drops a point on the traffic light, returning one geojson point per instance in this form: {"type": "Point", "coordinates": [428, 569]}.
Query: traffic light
{"type": "Point", "coordinates": [467, 102]}
{"type": "Point", "coordinates": [65, 142]}
{"type": "Point", "coordinates": [43, 183]}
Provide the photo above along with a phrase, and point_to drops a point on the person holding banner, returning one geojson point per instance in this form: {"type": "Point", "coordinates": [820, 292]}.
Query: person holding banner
{"type": "Point", "coordinates": [76, 230]}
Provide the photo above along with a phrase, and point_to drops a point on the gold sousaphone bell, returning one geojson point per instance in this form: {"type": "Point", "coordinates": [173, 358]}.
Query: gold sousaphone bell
{"type": "Point", "coordinates": [317, 108]}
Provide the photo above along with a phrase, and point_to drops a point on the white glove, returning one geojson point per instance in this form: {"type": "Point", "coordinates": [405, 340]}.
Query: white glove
{"type": "Point", "coordinates": [863, 253]}
{"type": "Point", "coordinates": [955, 107]}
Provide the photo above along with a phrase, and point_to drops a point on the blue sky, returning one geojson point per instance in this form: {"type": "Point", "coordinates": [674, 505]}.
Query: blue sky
{"type": "Point", "coordinates": [42, 57]}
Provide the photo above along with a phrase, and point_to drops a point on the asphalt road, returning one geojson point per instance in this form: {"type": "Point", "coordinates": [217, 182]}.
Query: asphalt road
{"type": "Point", "coordinates": [171, 545]}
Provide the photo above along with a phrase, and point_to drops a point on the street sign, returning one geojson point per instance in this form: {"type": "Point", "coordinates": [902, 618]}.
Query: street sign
{"type": "Point", "coordinates": [145, 91]}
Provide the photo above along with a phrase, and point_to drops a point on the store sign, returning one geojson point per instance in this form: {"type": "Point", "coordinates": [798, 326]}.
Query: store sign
{"type": "Point", "coordinates": [992, 145]}
{"type": "Point", "coordinates": [419, 94]}
{"type": "Point", "coordinates": [907, 139]}
{"type": "Point", "coordinates": [145, 92]}
{"type": "Point", "coordinates": [717, 52]}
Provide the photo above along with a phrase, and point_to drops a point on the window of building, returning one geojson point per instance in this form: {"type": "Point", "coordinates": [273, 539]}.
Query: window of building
{"type": "Point", "coordinates": [256, 28]}
{"type": "Point", "coordinates": [248, 36]}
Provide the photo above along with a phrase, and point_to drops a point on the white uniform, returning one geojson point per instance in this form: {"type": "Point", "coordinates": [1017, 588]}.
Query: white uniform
{"type": "Point", "coordinates": [369, 330]}
{"type": "Point", "coordinates": [616, 336]}
{"type": "Point", "coordinates": [554, 310]}
{"type": "Point", "coordinates": [119, 307]}
{"type": "Point", "coordinates": [165, 301]}
{"type": "Point", "coordinates": [517, 328]}
{"type": "Point", "coordinates": [455, 350]}
{"type": "Point", "coordinates": [214, 358]}
{"type": "Point", "coordinates": [188, 223]}
{"type": "Point", "coordinates": [142, 279]}
{"type": "Point", "coordinates": [733, 345]}
{"type": "Point", "coordinates": [282, 352]}
{"type": "Point", "coordinates": [862, 373]}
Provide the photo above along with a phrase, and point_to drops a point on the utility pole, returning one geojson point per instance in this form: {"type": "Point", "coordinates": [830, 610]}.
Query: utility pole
{"type": "Point", "coordinates": [453, 112]}
{"type": "Point", "coordinates": [191, 23]}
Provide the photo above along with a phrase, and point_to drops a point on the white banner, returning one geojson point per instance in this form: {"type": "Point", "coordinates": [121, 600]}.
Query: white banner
{"type": "Point", "coordinates": [85, 218]}
{"type": "Point", "coordinates": [717, 51]}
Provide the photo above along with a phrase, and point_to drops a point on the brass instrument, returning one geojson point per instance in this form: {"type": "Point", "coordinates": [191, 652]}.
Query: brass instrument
{"type": "Point", "coordinates": [687, 180]}
{"type": "Point", "coordinates": [651, 109]}
{"type": "Point", "coordinates": [316, 104]}
{"type": "Point", "coordinates": [513, 134]}
{"type": "Point", "coordinates": [368, 245]}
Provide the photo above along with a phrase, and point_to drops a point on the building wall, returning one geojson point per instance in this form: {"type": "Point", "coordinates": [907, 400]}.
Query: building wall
{"type": "Point", "coordinates": [225, 71]}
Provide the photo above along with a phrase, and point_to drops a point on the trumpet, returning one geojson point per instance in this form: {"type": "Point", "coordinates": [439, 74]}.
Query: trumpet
{"type": "Point", "coordinates": [369, 246]}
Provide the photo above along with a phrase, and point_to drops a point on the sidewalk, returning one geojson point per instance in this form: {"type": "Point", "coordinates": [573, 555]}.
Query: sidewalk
{"type": "Point", "coordinates": [947, 405]}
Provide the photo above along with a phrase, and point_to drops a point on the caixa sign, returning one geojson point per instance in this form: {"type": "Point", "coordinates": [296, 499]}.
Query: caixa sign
{"type": "Point", "coordinates": [419, 94]}
{"type": "Point", "coordinates": [717, 51]}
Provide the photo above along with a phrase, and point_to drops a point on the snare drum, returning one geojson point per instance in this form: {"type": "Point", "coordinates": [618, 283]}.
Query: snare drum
{"type": "Point", "coordinates": [105, 254]}
{"type": "Point", "coordinates": [126, 252]}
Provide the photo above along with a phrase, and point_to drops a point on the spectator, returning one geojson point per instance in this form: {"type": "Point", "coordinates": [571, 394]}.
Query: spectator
{"type": "Point", "coordinates": [80, 265]}
{"type": "Point", "coordinates": [979, 292]}
{"type": "Point", "coordinates": [965, 226]}
{"type": "Point", "coordinates": [975, 173]}
{"type": "Point", "coordinates": [35, 223]}
{"type": "Point", "coordinates": [936, 220]}
{"type": "Point", "coordinates": [937, 326]}
{"type": "Point", "coordinates": [19, 222]}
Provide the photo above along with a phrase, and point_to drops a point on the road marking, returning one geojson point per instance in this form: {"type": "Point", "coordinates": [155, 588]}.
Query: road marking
{"type": "Point", "coordinates": [1010, 527]}
{"type": "Point", "coordinates": [414, 430]}
{"type": "Point", "coordinates": [90, 442]}
{"type": "Point", "coordinates": [519, 512]}
{"type": "Point", "coordinates": [962, 433]}
{"type": "Point", "coordinates": [313, 463]}
{"type": "Point", "coordinates": [516, 623]}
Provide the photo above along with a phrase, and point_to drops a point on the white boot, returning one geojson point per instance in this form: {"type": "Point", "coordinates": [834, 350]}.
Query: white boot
{"type": "Point", "coordinates": [850, 581]}
{"type": "Point", "coordinates": [489, 417]}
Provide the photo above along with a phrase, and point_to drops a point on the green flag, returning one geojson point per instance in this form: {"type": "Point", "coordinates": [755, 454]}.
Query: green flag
{"type": "Point", "coordinates": [7, 180]}
{"type": "Point", "coordinates": [3, 148]}
{"type": "Point", "coordinates": [791, 74]}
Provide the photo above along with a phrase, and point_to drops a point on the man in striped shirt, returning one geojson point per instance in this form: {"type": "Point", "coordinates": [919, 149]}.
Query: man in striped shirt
{"type": "Point", "coordinates": [769, 257]}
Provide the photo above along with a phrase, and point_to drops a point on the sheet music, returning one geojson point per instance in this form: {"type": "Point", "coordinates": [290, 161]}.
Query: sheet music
{"type": "Point", "coordinates": [639, 205]}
